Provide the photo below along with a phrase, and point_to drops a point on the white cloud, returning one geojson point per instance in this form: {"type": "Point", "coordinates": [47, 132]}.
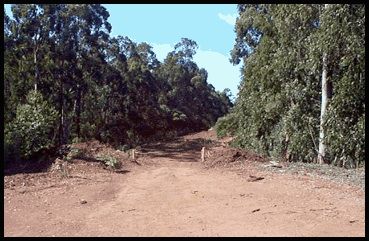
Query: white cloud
{"type": "Point", "coordinates": [221, 73]}
{"type": "Point", "coordinates": [228, 18]}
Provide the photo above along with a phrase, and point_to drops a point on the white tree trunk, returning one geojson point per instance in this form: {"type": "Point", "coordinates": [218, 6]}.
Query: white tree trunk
{"type": "Point", "coordinates": [36, 69]}
{"type": "Point", "coordinates": [323, 109]}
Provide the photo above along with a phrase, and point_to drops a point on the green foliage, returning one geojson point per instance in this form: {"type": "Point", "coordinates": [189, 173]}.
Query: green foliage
{"type": "Point", "coordinates": [226, 125]}
{"type": "Point", "coordinates": [110, 161]}
{"type": "Point", "coordinates": [76, 140]}
{"type": "Point", "coordinates": [124, 148]}
{"type": "Point", "coordinates": [74, 153]}
{"type": "Point", "coordinates": [277, 112]}
{"type": "Point", "coordinates": [103, 87]}
{"type": "Point", "coordinates": [346, 111]}
{"type": "Point", "coordinates": [33, 128]}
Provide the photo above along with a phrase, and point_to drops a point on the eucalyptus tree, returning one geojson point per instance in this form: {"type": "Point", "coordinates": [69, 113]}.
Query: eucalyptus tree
{"type": "Point", "coordinates": [326, 89]}
{"type": "Point", "coordinates": [287, 51]}
{"type": "Point", "coordinates": [341, 37]}
{"type": "Point", "coordinates": [23, 52]}
{"type": "Point", "coordinates": [142, 88]}
{"type": "Point", "coordinates": [89, 35]}
{"type": "Point", "coordinates": [9, 112]}
{"type": "Point", "coordinates": [273, 41]}
{"type": "Point", "coordinates": [193, 104]}
{"type": "Point", "coordinates": [103, 87]}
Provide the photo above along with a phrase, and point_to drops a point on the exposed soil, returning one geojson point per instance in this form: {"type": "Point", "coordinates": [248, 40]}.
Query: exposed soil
{"type": "Point", "coordinates": [169, 191]}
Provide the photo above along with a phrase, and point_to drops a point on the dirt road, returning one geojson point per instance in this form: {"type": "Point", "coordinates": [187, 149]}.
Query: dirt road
{"type": "Point", "coordinates": [172, 194]}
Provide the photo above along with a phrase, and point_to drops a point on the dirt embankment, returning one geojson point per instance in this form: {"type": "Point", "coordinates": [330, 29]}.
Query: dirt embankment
{"type": "Point", "coordinates": [169, 191]}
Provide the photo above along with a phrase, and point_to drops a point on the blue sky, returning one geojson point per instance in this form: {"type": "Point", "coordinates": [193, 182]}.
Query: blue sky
{"type": "Point", "coordinates": [163, 25]}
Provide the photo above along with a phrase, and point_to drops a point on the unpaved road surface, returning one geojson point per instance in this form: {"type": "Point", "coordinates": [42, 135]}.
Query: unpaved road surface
{"type": "Point", "coordinates": [171, 193]}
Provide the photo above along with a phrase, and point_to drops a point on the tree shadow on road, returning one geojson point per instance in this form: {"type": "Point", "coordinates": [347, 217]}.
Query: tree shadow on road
{"type": "Point", "coordinates": [181, 150]}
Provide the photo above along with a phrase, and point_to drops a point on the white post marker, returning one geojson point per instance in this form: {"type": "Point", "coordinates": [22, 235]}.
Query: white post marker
{"type": "Point", "coordinates": [203, 154]}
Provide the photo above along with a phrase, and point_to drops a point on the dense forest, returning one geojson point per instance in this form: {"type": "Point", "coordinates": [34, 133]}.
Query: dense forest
{"type": "Point", "coordinates": [302, 95]}
{"type": "Point", "coordinates": [67, 80]}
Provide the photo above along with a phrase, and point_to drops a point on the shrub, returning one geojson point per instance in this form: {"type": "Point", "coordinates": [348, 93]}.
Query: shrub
{"type": "Point", "coordinates": [110, 161]}
{"type": "Point", "coordinates": [33, 127]}
{"type": "Point", "coordinates": [226, 125]}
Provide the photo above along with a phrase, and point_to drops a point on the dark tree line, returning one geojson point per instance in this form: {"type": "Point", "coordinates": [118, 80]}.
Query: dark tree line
{"type": "Point", "coordinates": [66, 79]}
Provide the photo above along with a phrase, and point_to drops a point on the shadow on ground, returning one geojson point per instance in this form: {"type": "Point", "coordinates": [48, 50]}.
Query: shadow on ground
{"type": "Point", "coordinates": [16, 167]}
{"type": "Point", "coordinates": [182, 150]}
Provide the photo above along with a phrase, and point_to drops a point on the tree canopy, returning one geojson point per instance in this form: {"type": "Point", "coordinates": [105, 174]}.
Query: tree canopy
{"type": "Point", "coordinates": [103, 87]}
{"type": "Point", "coordinates": [277, 111]}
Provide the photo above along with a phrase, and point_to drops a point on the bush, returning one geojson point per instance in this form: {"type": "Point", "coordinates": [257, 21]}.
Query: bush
{"type": "Point", "coordinates": [110, 161]}
{"type": "Point", "coordinates": [74, 153]}
{"type": "Point", "coordinates": [226, 125]}
{"type": "Point", "coordinates": [32, 129]}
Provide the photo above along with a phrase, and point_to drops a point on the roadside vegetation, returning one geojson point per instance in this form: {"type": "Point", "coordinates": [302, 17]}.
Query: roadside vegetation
{"type": "Point", "coordinates": [66, 80]}
{"type": "Point", "coordinates": [302, 95]}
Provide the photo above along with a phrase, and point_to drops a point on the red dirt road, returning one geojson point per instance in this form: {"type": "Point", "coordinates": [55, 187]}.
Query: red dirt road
{"type": "Point", "coordinates": [172, 194]}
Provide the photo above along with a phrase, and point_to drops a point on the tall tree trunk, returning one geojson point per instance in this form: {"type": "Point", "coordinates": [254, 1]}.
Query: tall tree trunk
{"type": "Point", "coordinates": [78, 113]}
{"type": "Point", "coordinates": [61, 114]}
{"type": "Point", "coordinates": [322, 147]}
{"type": "Point", "coordinates": [325, 92]}
{"type": "Point", "coordinates": [36, 67]}
{"type": "Point", "coordinates": [61, 110]}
